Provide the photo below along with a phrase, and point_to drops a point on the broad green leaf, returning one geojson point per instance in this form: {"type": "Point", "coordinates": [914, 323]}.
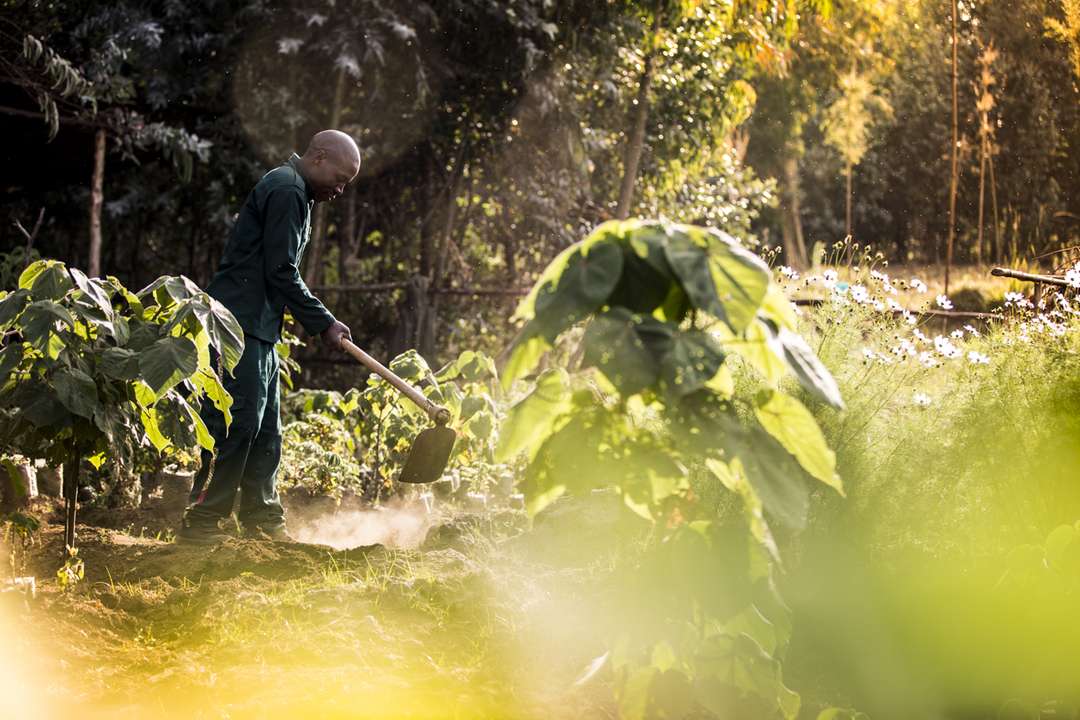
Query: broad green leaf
{"type": "Point", "coordinates": [470, 366]}
{"type": "Point", "coordinates": [481, 425]}
{"type": "Point", "coordinates": [39, 322]}
{"type": "Point", "coordinates": [690, 263]}
{"type": "Point", "coordinates": [777, 308]}
{"type": "Point", "coordinates": [132, 299]}
{"type": "Point", "coordinates": [12, 305]}
{"type": "Point", "coordinates": [202, 434]}
{"type": "Point", "coordinates": [733, 477]}
{"type": "Point", "coordinates": [774, 474]}
{"type": "Point", "coordinates": [583, 286]}
{"type": "Point", "coordinates": [226, 335]}
{"type": "Point", "coordinates": [77, 391]}
{"type": "Point", "coordinates": [530, 421]}
{"type": "Point", "coordinates": [740, 662]}
{"type": "Point", "coordinates": [741, 279]}
{"type": "Point", "coordinates": [169, 289]}
{"type": "Point", "coordinates": [722, 383]}
{"type": "Point", "coordinates": [119, 363]}
{"type": "Point", "coordinates": [207, 382]}
{"type": "Point", "coordinates": [523, 359]}
{"type": "Point", "coordinates": [46, 279]}
{"type": "Point", "coordinates": [788, 420]}
{"type": "Point", "coordinates": [758, 347]}
{"type": "Point", "coordinates": [150, 426]}
{"type": "Point", "coordinates": [167, 362]}
{"type": "Point", "coordinates": [812, 374]}
{"type": "Point", "coordinates": [646, 278]}
{"type": "Point", "coordinates": [10, 357]}
{"type": "Point", "coordinates": [45, 410]}
{"type": "Point", "coordinates": [691, 362]}
{"type": "Point", "coordinates": [569, 459]}
{"type": "Point", "coordinates": [410, 366]}
{"type": "Point", "coordinates": [93, 291]}
{"type": "Point", "coordinates": [613, 345]}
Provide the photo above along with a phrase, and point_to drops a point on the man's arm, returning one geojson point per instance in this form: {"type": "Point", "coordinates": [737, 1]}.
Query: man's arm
{"type": "Point", "coordinates": [284, 221]}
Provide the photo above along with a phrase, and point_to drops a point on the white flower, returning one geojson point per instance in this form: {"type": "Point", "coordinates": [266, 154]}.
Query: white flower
{"type": "Point", "coordinates": [812, 279]}
{"type": "Point", "coordinates": [1073, 277]}
{"type": "Point", "coordinates": [909, 318]}
{"type": "Point", "coordinates": [957, 334]}
{"type": "Point", "coordinates": [893, 305]}
{"type": "Point", "coordinates": [879, 306]}
{"type": "Point", "coordinates": [972, 330]}
{"type": "Point", "coordinates": [918, 285]}
{"type": "Point", "coordinates": [944, 302]}
{"type": "Point", "coordinates": [788, 272]}
{"type": "Point", "coordinates": [945, 348]}
{"type": "Point", "coordinates": [828, 278]}
{"type": "Point", "coordinates": [928, 360]}
{"type": "Point", "coordinates": [977, 358]}
{"type": "Point", "coordinates": [888, 287]}
{"type": "Point", "coordinates": [859, 294]}
{"type": "Point", "coordinates": [1017, 299]}
{"type": "Point", "coordinates": [921, 399]}
{"type": "Point", "coordinates": [920, 335]}
{"type": "Point", "coordinates": [868, 353]}
{"type": "Point", "coordinates": [906, 347]}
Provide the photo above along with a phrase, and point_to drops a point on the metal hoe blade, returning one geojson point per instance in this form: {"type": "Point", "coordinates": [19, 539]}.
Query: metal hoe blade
{"type": "Point", "coordinates": [428, 456]}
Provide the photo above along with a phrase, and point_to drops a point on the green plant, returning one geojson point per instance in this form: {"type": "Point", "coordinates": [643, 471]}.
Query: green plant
{"type": "Point", "coordinates": [90, 369]}
{"type": "Point", "coordinates": [17, 530]}
{"type": "Point", "coordinates": [650, 401]}
{"type": "Point", "coordinates": [318, 456]}
{"type": "Point", "coordinates": [380, 424]}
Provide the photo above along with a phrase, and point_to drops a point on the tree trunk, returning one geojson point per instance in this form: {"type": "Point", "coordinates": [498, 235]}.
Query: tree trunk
{"type": "Point", "coordinates": [313, 272]}
{"type": "Point", "coordinates": [982, 201]}
{"type": "Point", "coordinates": [847, 209]}
{"type": "Point", "coordinates": [637, 134]}
{"type": "Point", "coordinates": [96, 197]}
{"type": "Point", "coordinates": [955, 153]}
{"type": "Point", "coordinates": [791, 216]}
{"type": "Point", "coordinates": [994, 203]}
{"type": "Point", "coordinates": [71, 494]}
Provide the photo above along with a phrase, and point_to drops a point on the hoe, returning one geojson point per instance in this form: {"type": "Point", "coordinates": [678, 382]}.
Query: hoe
{"type": "Point", "coordinates": [431, 449]}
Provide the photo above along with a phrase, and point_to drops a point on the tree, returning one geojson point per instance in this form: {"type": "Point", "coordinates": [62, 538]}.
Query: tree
{"type": "Point", "coordinates": [954, 148]}
{"type": "Point", "coordinates": [90, 370]}
{"type": "Point", "coordinates": [847, 124]}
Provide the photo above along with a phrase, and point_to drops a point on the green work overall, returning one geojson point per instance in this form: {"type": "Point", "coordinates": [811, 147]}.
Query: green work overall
{"type": "Point", "coordinates": [258, 278]}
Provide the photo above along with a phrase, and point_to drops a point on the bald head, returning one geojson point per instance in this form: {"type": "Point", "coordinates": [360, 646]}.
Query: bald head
{"type": "Point", "coordinates": [330, 162]}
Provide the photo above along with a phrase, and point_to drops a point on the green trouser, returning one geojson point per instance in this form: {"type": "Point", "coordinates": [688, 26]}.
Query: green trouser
{"type": "Point", "coordinates": [246, 456]}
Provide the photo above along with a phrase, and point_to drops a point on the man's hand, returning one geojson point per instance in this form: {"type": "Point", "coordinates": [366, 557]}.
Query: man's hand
{"type": "Point", "coordinates": [334, 334]}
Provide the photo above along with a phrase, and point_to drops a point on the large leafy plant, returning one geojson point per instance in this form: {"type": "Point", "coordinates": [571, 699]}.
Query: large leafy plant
{"type": "Point", "coordinates": [649, 408]}
{"type": "Point", "coordinates": [90, 370]}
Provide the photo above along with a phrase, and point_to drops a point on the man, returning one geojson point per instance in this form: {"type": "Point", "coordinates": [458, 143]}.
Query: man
{"type": "Point", "coordinates": [258, 279]}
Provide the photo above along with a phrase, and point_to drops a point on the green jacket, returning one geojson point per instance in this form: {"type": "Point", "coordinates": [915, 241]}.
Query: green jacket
{"type": "Point", "coordinates": [259, 275]}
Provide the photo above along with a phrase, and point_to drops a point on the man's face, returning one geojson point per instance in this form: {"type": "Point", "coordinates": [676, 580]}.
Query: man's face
{"type": "Point", "coordinates": [331, 174]}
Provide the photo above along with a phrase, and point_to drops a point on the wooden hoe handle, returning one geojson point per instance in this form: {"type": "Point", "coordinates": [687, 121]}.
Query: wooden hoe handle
{"type": "Point", "coordinates": [438, 414]}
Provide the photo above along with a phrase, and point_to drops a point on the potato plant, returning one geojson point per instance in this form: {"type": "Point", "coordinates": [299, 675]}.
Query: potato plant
{"type": "Point", "coordinates": [650, 402]}
{"type": "Point", "coordinates": [90, 370]}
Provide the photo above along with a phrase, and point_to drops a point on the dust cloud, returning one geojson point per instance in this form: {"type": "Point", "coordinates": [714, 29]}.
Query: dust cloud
{"type": "Point", "coordinates": [394, 526]}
